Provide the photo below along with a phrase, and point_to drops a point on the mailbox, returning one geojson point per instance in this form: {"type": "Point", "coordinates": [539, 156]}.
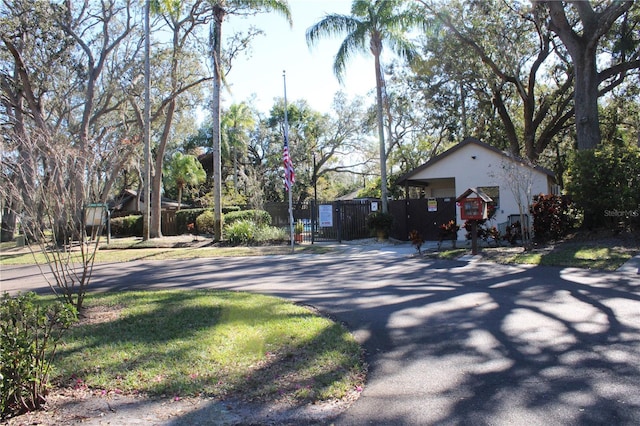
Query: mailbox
{"type": "Point", "coordinates": [474, 204]}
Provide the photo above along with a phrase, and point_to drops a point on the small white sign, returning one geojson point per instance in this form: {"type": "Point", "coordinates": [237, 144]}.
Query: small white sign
{"type": "Point", "coordinates": [374, 206]}
{"type": "Point", "coordinates": [95, 215]}
{"type": "Point", "coordinates": [325, 214]}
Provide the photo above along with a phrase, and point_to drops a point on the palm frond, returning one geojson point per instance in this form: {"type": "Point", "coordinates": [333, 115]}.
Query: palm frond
{"type": "Point", "coordinates": [252, 7]}
{"type": "Point", "coordinates": [355, 42]}
{"type": "Point", "coordinates": [331, 26]}
{"type": "Point", "coordinates": [401, 46]}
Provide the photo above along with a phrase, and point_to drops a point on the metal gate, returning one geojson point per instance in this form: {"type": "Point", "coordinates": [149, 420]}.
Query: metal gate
{"type": "Point", "coordinates": [423, 215]}
{"type": "Point", "coordinates": [326, 221]}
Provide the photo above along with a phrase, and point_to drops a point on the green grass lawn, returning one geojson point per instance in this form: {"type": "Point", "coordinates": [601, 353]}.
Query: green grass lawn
{"type": "Point", "coordinates": [126, 254]}
{"type": "Point", "coordinates": [213, 343]}
{"type": "Point", "coordinates": [591, 255]}
{"type": "Point", "coordinates": [587, 256]}
{"type": "Point", "coordinates": [449, 254]}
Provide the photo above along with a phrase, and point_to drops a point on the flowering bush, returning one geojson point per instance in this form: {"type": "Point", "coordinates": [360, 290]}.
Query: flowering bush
{"type": "Point", "coordinates": [451, 227]}
{"type": "Point", "coordinates": [483, 230]}
{"type": "Point", "coordinates": [553, 217]}
{"type": "Point", "coordinates": [416, 239]}
{"type": "Point", "coordinates": [449, 230]}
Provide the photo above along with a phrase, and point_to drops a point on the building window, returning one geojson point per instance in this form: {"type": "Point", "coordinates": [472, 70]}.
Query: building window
{"type": "Point", "coordinates": [493, 192]}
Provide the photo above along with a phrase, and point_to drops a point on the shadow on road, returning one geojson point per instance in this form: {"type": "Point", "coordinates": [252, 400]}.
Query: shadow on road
{"type": "Point", "coordinates": [451, 342]}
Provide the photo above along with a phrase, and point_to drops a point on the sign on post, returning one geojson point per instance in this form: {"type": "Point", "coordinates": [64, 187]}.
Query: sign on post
{"type": "Point", "coordinates": [94, 214]}
{"type": "Point", "coordinates": [97, 215]}
{"type": "Point", "coordinates": [326, 215]}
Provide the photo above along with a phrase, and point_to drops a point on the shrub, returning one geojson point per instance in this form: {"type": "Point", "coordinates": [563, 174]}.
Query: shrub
{"type": "Point", "coordinates": [484, 230]}
{"type": "Point", "coordinates": [513, 233]}
{"type": "Point", "coordinates": [187, 216]}
{"type": "Point", "coordinates": [205, 223]}
{"type": "Point", "coordinates": [241, 232]}
{"type": "Point", "coordinates": [604, 183]}
{"type": "Point", "coordinates": [553, 217]}
{"type": "Point", "coordinates": [271, 234]}
{"type": "Point", "coordinates": [258, 217]}
{"type": "Point", "coordinates": [29, 334]}
{"type": "Point", "coordinates": [127, 226]}
{"type": "Point", "coordinates": [448, 230]}
{"type": "Point", "coordinates": [379, 222]}
{"type": "Point", "coordinates": [229, 209]}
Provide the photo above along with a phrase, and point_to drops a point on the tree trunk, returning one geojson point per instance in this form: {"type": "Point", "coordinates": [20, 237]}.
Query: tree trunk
{"type": "Point", "coordinates": [510, 130]}
{"type": "Point", "coordinates": [27, 151]}
{"type": "Point", "coordinates": [216, 41]}
{"type": "Point", "coordinates": [155, 227]}
{"type": "Point", "coordinates": [146, 125]}
{"type": "Point", "coordinates": [8, 221]}
{"type": "Point", "coordinates": [26, 183]}
{"type": "Point", "coordinates": [379, 115]}
{"type": "Point", "coordinates": [155, 224]}
{"type": "Point", "coordinates": [582, 49]}
{"type": "Point", "coordinates": [463, 111]}
{"type": "Point", "coordinates": [586, 102]}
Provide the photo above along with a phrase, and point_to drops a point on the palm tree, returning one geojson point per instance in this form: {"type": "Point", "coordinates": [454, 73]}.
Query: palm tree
{"type": "Point", "coordinates": [147, 122]}
{"type": "Point", "coordinates": [220, 9]}
{"type": "Point", "coordinates": [372, 24]}
{"type": "Point", "coordinates": [236, 123]}
{"type": "Point", "coordinates": [184, 170]}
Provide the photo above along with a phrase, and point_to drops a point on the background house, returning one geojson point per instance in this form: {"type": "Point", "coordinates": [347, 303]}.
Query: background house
{"type": "Point", "coordinates": [128, 202]}
{"type": "Point", "coordinates": [475, 164]}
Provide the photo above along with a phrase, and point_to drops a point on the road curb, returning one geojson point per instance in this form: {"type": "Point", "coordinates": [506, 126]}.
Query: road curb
{"type": "Point", "coordinates": [631, 266]}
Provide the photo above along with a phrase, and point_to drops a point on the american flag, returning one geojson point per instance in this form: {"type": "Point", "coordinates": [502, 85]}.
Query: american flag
{"type": "Point", "coordinates": [289, 173]}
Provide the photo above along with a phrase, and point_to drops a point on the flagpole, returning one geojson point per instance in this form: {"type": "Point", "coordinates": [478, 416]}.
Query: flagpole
{"type": "Point", "coordinates": [286, 138]}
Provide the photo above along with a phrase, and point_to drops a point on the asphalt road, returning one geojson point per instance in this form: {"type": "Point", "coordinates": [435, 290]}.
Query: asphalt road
{"type": "Point", "coordinates": [448, 342]}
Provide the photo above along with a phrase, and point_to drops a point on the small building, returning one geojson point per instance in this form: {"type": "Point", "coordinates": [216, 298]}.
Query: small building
{"type": "Point", "coordinates": [475, 164]}
{"type": "Point", "coordinates": [128, 202]}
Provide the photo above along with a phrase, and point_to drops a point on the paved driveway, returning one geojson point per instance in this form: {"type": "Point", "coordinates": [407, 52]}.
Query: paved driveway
{"type": "Point", "coordinates": [448, 342]}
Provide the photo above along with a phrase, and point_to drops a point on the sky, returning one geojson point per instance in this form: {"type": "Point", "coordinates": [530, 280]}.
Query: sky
{"type": "Point", "coordinates": [309, 71]}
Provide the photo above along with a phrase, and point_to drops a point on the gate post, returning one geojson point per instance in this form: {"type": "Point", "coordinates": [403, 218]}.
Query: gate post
{"type": "Point", "coordinates": [339, 220]}
{"type": "Point", "coordinates": [314, 221]}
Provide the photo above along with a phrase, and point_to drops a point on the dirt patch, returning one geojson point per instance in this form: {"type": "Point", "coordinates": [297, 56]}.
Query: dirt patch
{"type": "Point", "coordinates": [507, 254]}
{"type": "Point", "coordinates": [99, 314]}
{"type": "Point", "coordinates": [73, 407]}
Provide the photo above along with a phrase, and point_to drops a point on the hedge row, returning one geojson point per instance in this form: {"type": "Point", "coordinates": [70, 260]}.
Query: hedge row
{"type": "Point", "coordinates": [131, 226]}
{"type": "Point", "coordinates": [127, 226]}
{"type": "Point", "coordinates": [259, 217]}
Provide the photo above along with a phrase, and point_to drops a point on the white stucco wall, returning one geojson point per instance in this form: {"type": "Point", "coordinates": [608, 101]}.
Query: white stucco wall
{"type": "Point", "coordinates": [474, 166]}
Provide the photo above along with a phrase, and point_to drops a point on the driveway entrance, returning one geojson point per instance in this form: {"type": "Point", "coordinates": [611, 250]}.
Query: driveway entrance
{"type": "Point", "coordinates": [447, 342]}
